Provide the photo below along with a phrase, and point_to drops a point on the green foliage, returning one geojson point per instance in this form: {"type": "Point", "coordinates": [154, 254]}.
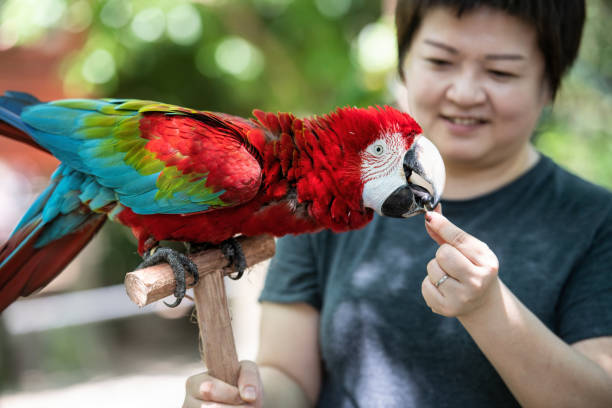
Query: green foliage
{"type": "Point", "coordinates": [577, 133]}
{"type": "Point", "coordinates": [291, 55]}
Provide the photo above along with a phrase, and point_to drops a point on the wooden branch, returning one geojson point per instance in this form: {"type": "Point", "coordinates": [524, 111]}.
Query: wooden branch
{"type": "Point", "coordinates": [145, 286]}
{"type": "Point", "coordinates": [215, 325]}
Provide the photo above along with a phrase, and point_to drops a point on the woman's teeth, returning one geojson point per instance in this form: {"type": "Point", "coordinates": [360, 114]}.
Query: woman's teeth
{"type": "Point", "coordinates": [464, 121]}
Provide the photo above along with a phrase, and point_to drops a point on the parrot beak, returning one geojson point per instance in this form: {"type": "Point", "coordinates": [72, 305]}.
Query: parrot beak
{"type": "Point", "coordinates": [425, 178]}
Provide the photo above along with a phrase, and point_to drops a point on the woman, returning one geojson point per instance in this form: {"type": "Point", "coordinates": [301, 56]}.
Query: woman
{"type": "Point", "coordinates": [516, 270]}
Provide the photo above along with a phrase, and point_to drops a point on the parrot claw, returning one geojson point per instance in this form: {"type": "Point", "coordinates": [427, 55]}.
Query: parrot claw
{"type": "Point", "coordinates": [231, 249]}
{"type": "Point", "coordinates": [180, 265]}
{"type": "Point", "coordinates": [233, 252]}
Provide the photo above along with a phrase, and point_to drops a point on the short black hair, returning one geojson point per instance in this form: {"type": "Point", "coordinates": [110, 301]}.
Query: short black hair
{"type": "Point", "coordinates": [558, 24]}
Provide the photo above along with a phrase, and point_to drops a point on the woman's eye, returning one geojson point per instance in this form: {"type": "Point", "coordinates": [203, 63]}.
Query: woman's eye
{"type": "Point", "coordinates": [438, 62]}
{"type": "Point", "coordinates": [501, 74]}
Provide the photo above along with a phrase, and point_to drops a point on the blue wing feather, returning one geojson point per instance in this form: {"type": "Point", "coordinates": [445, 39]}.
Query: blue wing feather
{"type": "Point", "coordinates": [101, 138]}
{"type": "Point", "coordinates": [101, 199]}
{"type": "Point", "coordinates": [60, 227]}
{"type": "Point", "coordinates": [58, 206]}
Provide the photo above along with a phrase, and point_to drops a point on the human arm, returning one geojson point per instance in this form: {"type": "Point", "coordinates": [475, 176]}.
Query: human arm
{"type": "Point", "coordinates": [288, 372]}
{"type": "Point", "coordinates": [538, 367]}
{"type": "Point", "coordinates": [289, 356]}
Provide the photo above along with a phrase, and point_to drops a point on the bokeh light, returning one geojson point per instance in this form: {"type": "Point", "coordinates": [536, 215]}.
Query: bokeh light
{"type": "Point", "coordinates": [24, 21]}
{"type": "Point", "coordinates": [240, 58]}
{"type": "Point", "coordinates": [333, 9]}
{"type": "Point", "coordinates": [99, 67]}
{"type": "Point", "coordinates": [47, 13]}
{"type": "Point", "coordinates": [184, 24]}
{"type": "Point", "coordinates": [149, 24]}
{"type": "Point", "coordinates": [79, 16]}
{"type": "Point", "coordinates": [376, 49]}
{"type": "Point", "coordinates": [9, 35]}
{"type": "Point", "coordinates": [116, 13]}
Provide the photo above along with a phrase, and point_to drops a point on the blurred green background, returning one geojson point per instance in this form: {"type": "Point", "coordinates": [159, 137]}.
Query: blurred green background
{"type": "Point", "coordinates": [303, 56]}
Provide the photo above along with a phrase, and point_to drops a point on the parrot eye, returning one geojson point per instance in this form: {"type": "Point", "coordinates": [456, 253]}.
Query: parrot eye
{"type": "Point", "coordinates": [378, 150]}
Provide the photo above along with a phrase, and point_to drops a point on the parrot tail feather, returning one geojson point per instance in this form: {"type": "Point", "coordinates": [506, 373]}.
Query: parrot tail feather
{"type": "Point", "coordinates": [63, 219]}
{"type": "Point", "coordinates": [25, 267]}
{"type": "Point", "coordinates": [12, 104]}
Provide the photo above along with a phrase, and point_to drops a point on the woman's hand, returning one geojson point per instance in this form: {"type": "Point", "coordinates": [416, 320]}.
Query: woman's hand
{"type": "Point", "coordinates": [202, 390]}
{"type": "Point", "coordinates": [463, 275]}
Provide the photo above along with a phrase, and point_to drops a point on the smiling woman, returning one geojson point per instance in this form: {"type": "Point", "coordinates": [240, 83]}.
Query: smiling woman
{"type": "Point", "coordinates": [440, 322]}
{"type": "Point", "coordinates": [478, 96]}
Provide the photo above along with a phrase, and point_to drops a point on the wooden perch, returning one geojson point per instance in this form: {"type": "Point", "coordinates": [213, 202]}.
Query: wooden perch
{"type": "Point", "coordinates": [145, 286]}
{"type": "Point", "coordinates": [156, 282]}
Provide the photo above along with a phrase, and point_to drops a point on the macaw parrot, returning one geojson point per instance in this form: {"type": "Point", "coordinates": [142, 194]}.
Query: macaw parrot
{"type": "Point", "coordinates": [172, 173]}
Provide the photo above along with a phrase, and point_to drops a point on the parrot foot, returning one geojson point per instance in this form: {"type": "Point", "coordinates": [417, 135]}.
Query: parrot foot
{"type": "Point", "coordinates": [195, 247]}
{"type": "Point", "coordinates": [180, 265]}
{"type": "Point", "coordinates": [231, 249]}
{"type": "Point", "coordinates": [233, 253]}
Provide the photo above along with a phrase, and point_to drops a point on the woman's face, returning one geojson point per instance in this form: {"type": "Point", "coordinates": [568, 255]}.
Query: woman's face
{"type": "Point", "coordinates": [476, 85]}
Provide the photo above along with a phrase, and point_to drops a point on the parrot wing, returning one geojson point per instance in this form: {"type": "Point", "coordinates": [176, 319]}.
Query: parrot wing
{"type": "Point", "coordinates": [156, 158]}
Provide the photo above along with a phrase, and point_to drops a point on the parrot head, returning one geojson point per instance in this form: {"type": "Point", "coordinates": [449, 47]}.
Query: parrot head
{"type": "Point", "coordinates": [398, 171]}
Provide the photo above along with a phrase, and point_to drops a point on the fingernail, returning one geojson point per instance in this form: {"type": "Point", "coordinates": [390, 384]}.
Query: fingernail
{"type": "Point", "coordinates": [428, 216]}
{"type": "Point", "coordinates": [248, 393]}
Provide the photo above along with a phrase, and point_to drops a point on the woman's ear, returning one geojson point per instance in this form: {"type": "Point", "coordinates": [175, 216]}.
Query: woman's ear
{"type": "Point", "coordinates": [401, 86]}
{"type": "Point", "coordinates": [400, 93]}
{"type": "Point", "coordinates": [546, 94]}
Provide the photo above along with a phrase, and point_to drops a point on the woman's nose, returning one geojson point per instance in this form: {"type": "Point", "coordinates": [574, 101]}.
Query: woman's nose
{"type": "Point", "coordinates": [466, 90]}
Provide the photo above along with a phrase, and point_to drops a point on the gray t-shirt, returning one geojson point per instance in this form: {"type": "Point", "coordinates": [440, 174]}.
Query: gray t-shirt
{"type": "Point", "coordinates": [383, 347]}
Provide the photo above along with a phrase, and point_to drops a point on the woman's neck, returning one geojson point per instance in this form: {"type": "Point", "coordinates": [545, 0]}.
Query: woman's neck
{"type": "Point", "coordinates": [465, 182]}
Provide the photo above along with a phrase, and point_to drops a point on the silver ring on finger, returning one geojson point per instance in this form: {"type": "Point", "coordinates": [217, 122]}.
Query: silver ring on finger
{"type": "Point", "coordinates": [441, 281]}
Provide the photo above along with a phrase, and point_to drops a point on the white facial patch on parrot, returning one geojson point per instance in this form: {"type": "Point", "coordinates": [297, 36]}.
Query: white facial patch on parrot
{"type": "Point", "coordinates": [382, 169]}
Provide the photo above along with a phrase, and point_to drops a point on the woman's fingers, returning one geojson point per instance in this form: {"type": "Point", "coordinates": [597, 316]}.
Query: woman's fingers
{"type": "Point", "coordinates": [443, 231]}
{"type": "Point", "coordinates": [249, 382]}
{"type": "Point", "coordinates": [191, 402]}
{"type": "Point", "coordinates": [453, 262]}
{"type": "Point", "coordinates": [470, 265]}
{"type": "Point", "coordinates": [203, 387]}
{"type": "Point", "coordinates": [436, 276]}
